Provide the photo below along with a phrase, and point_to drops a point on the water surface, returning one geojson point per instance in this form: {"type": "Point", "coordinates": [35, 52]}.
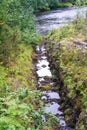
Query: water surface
{"type": "Point", "coordinates": [54, 19]}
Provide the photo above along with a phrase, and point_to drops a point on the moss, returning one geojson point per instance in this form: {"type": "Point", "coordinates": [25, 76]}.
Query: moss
{"type": "Point", "coordinates": [46, 87]}
{"type": "Point", "coordinates": [20, 72]}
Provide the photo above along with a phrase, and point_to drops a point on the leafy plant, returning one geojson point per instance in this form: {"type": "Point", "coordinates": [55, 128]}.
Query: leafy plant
{"type": "Point", "coordinates": [17, 110]}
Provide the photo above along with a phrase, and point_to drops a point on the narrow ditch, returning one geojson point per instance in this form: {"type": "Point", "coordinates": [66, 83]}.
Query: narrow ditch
{"type": "Point", "coordinates": [46, 84]}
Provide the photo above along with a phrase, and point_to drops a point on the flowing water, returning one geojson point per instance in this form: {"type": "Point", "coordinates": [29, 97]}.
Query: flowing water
{"type": "Point", "coordinates": [54, 19]}
{"type": "Point", "coordinates": [45, 22]}
{"type": "Point", "coordinates": [50, 96]}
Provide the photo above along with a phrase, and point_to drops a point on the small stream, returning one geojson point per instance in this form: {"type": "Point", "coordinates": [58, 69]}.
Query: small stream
{"type": "Point", "coordinates": [46, 22]}
{"type": "Point", "coordinates": [50, 96]}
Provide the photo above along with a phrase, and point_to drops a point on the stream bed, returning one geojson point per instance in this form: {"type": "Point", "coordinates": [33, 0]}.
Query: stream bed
{"type": "Point", "coordinates": [50, 95]}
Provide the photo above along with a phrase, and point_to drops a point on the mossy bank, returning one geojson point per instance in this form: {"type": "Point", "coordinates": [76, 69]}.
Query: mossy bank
{"type": "Point", "coordinates": [67, 51]}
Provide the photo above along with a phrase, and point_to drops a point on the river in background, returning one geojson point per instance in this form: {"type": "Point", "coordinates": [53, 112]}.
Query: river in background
{"type": "Point", "coordinates": [49, 20]}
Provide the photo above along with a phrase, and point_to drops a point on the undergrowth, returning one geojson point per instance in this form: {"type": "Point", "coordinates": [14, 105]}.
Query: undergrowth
{"type": "Point", "coordinates": [19, 109]}
{"type": "Point", "coordinates": [68, 46]}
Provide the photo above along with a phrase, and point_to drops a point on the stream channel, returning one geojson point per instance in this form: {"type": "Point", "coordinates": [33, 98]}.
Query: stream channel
{"type": "Point", "coordinates": [45, 22]}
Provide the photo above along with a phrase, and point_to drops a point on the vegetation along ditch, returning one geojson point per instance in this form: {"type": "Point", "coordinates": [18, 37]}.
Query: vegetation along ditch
{"type": "Point", "coordinates": [43, 65]}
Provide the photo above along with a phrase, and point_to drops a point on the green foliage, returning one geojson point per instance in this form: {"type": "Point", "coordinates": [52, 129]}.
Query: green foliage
{"type": "Point", "coordinates": [42, 5]}
{"type": "Point", "coordinates": [81, 2]}
{"type": "Point", "coordinates": [65, 4]}
{"type": "Point", "coordinates": [53, 4]}
{"type": "Point", "coordinates": [85, 99]}
{"type": "Point", "coordinates": [17, 110]}
{"type": "Point", "coordinates": [16, 25]}
{"type": "Point", "coordinates": [21, 110]}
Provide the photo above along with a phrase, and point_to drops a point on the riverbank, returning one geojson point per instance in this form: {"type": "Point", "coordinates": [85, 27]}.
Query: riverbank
{"type": "Point", "coordinates": [67, 53]}
{"type": "Point", "coordinates": [43, 6]}
{"type": "Point", "coordinates": [54, 6]}
{"type": "Point", "coordinates": [19, 99]}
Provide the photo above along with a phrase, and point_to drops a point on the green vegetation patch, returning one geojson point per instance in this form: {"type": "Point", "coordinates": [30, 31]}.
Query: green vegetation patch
{"type": "Point", "coordinates": [68, 53]}
{"type": "Point", "coordinates": [19, 109]}
{"type": "Point", "coordinates": [65, 4]}
{"type": "Point", "coordinates": [21, 72]}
